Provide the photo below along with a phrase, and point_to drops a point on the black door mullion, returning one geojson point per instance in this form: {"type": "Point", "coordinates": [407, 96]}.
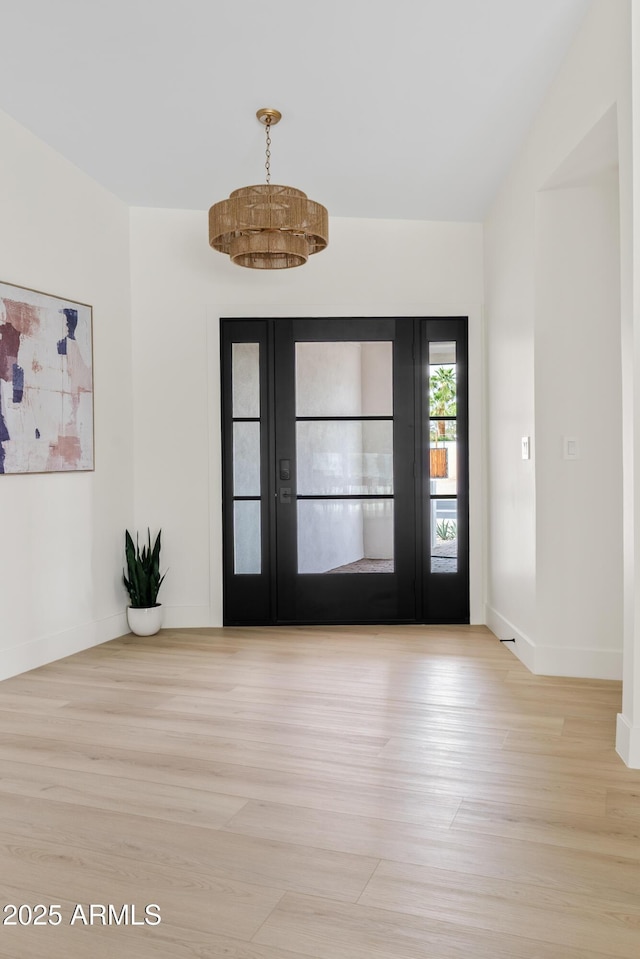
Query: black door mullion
{"type": "Point", "coordinates": [284, 431]}
{"type": "Point", "coordinates": [404, 484]}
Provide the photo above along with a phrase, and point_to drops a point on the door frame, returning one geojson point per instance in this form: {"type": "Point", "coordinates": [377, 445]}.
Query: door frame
{"type": "Point", "coordinates": [262, 588]}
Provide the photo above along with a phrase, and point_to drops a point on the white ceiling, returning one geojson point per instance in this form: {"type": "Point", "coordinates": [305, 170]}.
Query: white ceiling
{"type": "Point", "coordinates": [391, 108]}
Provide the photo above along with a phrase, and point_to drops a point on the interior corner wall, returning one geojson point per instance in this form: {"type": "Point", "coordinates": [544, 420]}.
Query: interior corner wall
{"type": "Point", "coordinates": [62, 533]}
{"type": "Point", "coordinates": [181, 288]}
{"type": "Point", "coordinates": [579, 533]}
{"type": "Point", "coordinates": [594, 78]}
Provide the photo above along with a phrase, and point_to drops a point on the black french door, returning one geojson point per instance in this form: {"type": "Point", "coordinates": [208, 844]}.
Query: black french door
{"type": "Point", "coordinates": [344, 471]}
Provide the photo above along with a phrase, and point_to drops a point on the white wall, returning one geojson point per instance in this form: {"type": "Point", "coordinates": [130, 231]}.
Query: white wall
{"type": "Point", "coordinates": [578, 395]}
{"type": "Point", "coordinates": [62, 534]}
{"type": "Point", "coordinates": [541, 276]}
{"type": "Point", "coordinates": [180, 289]}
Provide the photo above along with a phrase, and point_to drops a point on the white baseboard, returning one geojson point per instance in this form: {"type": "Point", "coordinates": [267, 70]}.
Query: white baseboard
{"type": "Point", "coordinates": [187, 617]}
{"type": "Point", "coordinates": [628, 742]}
{"type": "Point", "coordinates": [556, 660]}
{"type": "Point", "coordinates": [47, 649]}
{"type": "Point", "coordinates": [523, 648]}
{"type": "Point", "coordinates": [578, 663]}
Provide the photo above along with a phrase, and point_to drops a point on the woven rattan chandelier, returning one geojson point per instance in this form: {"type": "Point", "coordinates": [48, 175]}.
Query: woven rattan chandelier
{"type": "Point", "coordinates": [267, 227]}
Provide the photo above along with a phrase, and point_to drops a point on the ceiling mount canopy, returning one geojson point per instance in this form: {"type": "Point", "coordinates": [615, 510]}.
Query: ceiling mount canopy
{"type": "Point", "coordinates": [268, 227]}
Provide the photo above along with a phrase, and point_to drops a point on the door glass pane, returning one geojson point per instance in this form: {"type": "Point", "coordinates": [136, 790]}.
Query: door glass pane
{"type": "Point", "coordinates": [442, 379]}
{"type": "Point", "coordinates": [246, 459]}
{"type": "Point", "coordinates": [344, 379]}
{"type": "Point", "coordinates": [245, 380]}
{"type": "Point", "coordinates": [444, 536]}
{"type": "Point", "coordinates": [246, 536]}
{"type": "Point", "coordinates": [345, 536]}
{"type": "Point", "coordinates": [443, 457]}
{"type": "Point", "coordinates": [344, 457]}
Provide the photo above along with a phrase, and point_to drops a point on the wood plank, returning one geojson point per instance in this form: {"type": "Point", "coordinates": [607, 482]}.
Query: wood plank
{"type": "Point", "coordinates": [445, 772]}
{"type": "Point", "coordinates": [624, 803]}
{"type": "Point", "coordinates": [21, 703]}
{"type": "Point", "coordinates": [331, 930]}
{"type": "Point", "coordinates": [184, 742]}
{"type": "Point", "coordinates": [490, 857]}
{"type": "Point", "coordinates": [187, 897]}
{"type": "Point", "coordinates": [239, 728]}
{"type": "Point", "coordinates": [606, 834]}
{"type": "Point", "coordinates": [222, 855]}
{"type": "Point", "coordinates": [324, 829]}
{"type": "Point", "coordinates": [171, 803]}
{"type": "Point", "coordinates": [234, 779]}
{"type": "Point", "coordinates": [518, 908]}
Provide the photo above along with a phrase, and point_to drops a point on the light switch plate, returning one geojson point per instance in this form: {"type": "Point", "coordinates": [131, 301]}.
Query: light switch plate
{"type": "Point", "coordinates": [570, 448]}
{"type": "Point", "coordinates": [526, 447]}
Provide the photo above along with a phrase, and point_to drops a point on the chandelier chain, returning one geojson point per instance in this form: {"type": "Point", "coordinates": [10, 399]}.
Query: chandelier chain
{"type": "Point", "coordinates": [268, 150]}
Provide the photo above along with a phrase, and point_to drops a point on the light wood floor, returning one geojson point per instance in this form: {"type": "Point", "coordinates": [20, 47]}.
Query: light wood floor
{"type": "Point", "coordinates": [386, 793]}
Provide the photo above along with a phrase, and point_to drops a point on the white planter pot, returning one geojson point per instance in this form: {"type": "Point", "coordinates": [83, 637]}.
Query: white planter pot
{"type": "Point", "coordinates": [146, 621]}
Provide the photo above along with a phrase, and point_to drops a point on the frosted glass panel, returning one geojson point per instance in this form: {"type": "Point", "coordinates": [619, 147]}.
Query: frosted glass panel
{"type": "Point", "coordinates": [344, 457]}
{"type": "Point", "coordinates": [444, 536]}
{"type": "Point", "coordinates": [442, 353]}
{"type": "Point", "coordinates": [344, 379]}
{"type": "Point", "coordinates": [246, 537]}
{"type": "Point", "coordinates": [345, 536]}
{"type": "Point", "coordinates": [246, 459]}
{"type": "Point", "coordinates": [245, 379]}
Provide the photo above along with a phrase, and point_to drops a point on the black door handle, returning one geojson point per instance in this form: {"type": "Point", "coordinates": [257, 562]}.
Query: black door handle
{"type": "Point", "coordinates": [285, 494]}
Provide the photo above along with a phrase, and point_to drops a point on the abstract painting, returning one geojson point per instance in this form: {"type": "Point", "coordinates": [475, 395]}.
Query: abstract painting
{"type": "Point", "coordinates": [46, 383]}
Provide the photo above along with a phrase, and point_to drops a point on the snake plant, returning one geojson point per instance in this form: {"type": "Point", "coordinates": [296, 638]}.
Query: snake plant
{"type": "Point", "coordinates": [142, 576]}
